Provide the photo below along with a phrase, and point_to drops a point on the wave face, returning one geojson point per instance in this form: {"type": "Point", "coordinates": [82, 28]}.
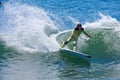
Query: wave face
{"type": "Point", "coordinates": [105, 38]}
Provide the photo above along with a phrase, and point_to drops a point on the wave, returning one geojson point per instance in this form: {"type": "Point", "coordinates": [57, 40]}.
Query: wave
{"type": "Point", "coordinates": [29, 28]}
{"type": "Point", "coordinates": [4, 48]}
{"type": "Point", "coordinates": [106, 36]}
{"type": "Point", "coordinates": [104, 43]}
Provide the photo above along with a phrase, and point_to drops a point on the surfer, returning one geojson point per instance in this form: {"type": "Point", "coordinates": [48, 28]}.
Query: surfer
{"type": "Point", "coordinates": [75, 35]}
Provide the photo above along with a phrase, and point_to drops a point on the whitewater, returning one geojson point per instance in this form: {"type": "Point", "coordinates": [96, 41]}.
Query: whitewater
{"type": "Point", "coordinates": [29, 43]}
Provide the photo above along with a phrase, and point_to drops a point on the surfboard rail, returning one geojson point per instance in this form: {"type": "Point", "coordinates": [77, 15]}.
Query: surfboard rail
{"type": "Point", "coordinates": [74, 53]}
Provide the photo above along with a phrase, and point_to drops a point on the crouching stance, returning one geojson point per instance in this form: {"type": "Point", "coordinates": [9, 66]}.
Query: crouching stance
{"type": "Point", "coordinates": [74, 36]}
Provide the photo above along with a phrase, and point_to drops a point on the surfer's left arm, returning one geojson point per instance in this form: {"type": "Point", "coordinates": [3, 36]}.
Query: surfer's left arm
{"type": "Point", "coordinates": [86, 34]}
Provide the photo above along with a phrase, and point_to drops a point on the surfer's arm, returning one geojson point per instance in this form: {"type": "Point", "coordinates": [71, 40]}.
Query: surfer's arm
{"type": "Point", "coordinates": [86, 34]}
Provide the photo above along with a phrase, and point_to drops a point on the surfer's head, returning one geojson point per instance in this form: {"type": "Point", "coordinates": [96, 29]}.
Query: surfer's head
{"type": "Point", "coordinates": [78, 27]}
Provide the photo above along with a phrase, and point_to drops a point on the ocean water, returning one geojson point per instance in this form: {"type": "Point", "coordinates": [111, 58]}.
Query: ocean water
{"type": "Point", "coordinates": [30, 35]}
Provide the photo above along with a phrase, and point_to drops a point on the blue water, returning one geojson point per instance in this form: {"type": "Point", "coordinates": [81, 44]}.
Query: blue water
{"type": "Point", "coordinates": [83, 11]}
{"type": "Point", "coordinates": [30, 32]}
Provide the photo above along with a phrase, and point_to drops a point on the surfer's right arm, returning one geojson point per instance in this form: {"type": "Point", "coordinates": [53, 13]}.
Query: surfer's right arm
{"type": "Point", "coordinates": [86, 34]}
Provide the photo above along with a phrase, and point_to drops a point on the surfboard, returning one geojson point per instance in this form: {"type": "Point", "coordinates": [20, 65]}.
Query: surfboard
{"type": "Point", "coordinates": [62, 36]}
{"type": "Point", "coordinates": [74, 53]}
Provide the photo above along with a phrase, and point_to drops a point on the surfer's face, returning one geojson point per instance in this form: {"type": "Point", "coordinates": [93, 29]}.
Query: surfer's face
{"type": "Point", "coordinates": [79, 27]}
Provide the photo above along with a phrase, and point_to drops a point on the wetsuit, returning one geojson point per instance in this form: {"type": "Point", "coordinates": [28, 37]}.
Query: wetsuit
{"type": "Point", "coordinates": [74, 37]}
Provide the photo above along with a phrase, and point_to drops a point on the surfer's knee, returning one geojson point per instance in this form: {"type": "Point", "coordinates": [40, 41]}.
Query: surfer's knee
{"type": "Point", "coordinates": [74, 43]}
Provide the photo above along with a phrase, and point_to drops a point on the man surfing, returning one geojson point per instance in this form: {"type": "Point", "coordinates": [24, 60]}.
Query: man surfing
{"type": "Point", "coordinates": [75, 35]}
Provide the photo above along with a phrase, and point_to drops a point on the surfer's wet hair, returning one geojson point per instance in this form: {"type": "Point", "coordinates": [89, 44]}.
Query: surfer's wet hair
{"type": "Point", "coordinates": [77, 27]}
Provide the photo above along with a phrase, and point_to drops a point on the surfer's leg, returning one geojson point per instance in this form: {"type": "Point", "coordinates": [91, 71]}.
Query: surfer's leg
{"type": "Point", "coordinates": [64, 44]}
{"type": "Point", "coordinates": [74, 45]}
{"type": "Point", "coordinates": [68, 40]}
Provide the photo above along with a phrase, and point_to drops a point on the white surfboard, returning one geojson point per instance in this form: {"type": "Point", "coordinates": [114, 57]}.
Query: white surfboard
{"type": "Point", "coordinates": [74, 53]}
